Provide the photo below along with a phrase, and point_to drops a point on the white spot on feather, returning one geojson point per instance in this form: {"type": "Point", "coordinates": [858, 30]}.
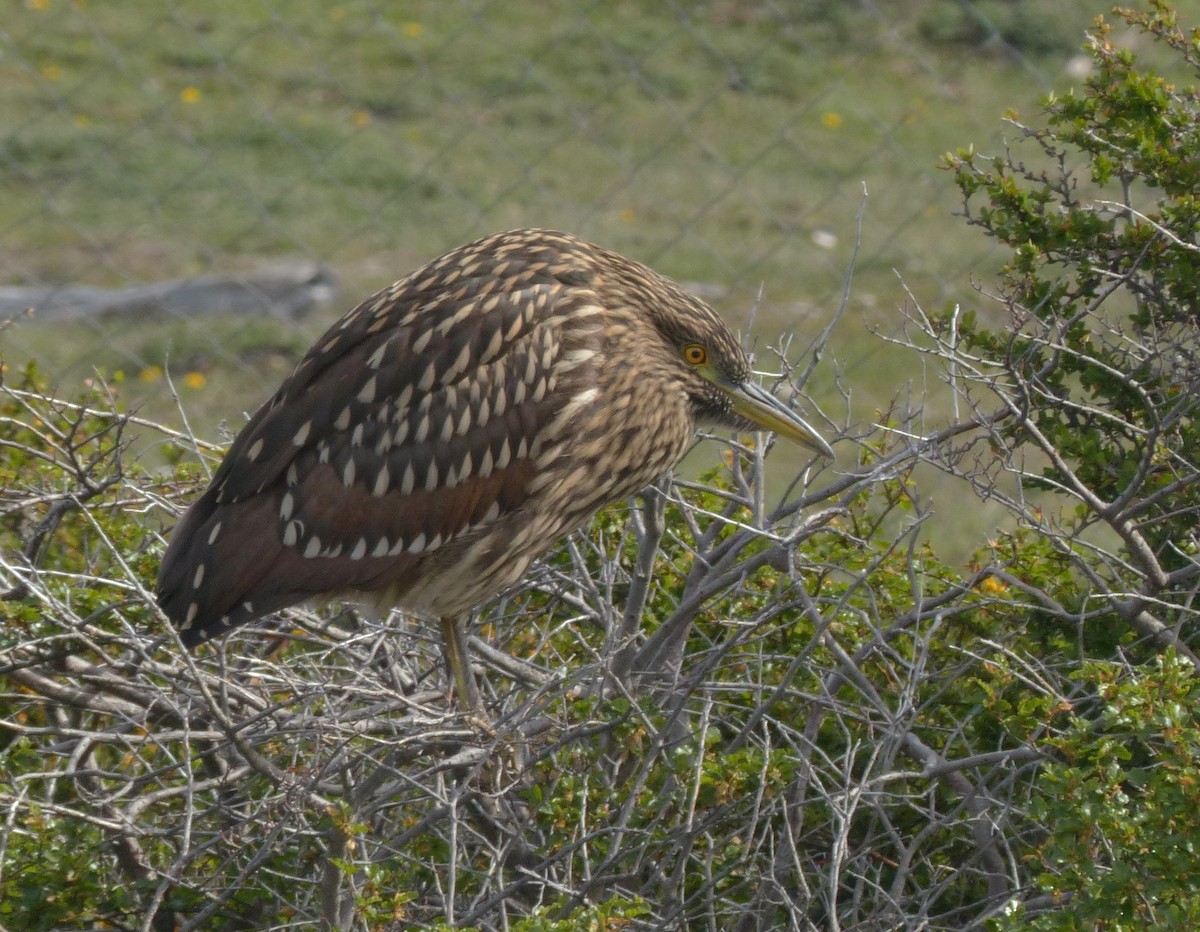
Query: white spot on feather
{"type": "Point", "coordinates": [571, 410]}
{"type": "Point", "coordinates": [460, 364]}
{"type": "Point", "coordinates": [493, 347]}
{"type": "Point", "coordinates": [467, 310]}
{"type": "Point", "coordinates": [587, 310]}
{"type": "Point", "coordinates": [214, 533]}
{"type": "Point", "coordinates": [313, 548]}
{"type": "Point", "coordinates": [382, 482]}
{"type": "Point", "coordinates": [360, 549]}
{"type": "Point", "coordinates": [198, 578]}
{"type": "Point", "coordinates": [301, 435]}
{"type": "Point", "coordinates": [255, 450]}
{"type": "Point", "coordinates": [585, 397]}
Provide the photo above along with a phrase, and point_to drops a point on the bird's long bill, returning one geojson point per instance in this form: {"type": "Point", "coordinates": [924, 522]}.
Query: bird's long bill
{"type": "Point", "coordinates": [768, 412]}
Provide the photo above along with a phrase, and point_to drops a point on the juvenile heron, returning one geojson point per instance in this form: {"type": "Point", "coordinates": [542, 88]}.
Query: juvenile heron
{"type": "Point", "coordinates": [451, 428]}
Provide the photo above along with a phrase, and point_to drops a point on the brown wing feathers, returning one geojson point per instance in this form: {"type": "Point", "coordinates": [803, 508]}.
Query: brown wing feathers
{"type": "Point", "coordinates": [414, 420]}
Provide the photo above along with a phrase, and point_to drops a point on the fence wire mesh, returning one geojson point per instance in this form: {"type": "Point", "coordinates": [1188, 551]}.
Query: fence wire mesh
{"type": "Point", "coordinates": [193, 191]}
{"type": "Point", "coordinates": [726, 143]}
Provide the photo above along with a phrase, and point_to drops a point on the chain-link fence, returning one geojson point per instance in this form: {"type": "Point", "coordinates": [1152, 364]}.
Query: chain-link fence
{"type": "Point", "coordinates": [726, 706]}
{"type": "Point", "coordinates": [726, 143]}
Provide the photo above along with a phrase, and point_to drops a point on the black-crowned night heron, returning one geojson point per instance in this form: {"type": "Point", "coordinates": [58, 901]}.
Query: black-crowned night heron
{"type": "Point", "coordinates": [451, 428]}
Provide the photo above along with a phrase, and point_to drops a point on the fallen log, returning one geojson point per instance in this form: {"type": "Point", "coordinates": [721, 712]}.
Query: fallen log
{"type": "Point", "coordinates": [288, 291]}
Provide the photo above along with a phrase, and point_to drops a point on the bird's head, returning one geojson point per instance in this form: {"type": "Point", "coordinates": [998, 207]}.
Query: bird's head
{"type": "Point", "coordinates": [720, 384]}
{"type": "Point", "coordinates": [727, 395]}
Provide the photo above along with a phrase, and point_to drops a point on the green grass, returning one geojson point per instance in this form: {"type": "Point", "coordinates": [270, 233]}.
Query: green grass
{"type": "Point", "coordinates": [349, 131]}
{"type": "Point", "coordinates": [147, 140]}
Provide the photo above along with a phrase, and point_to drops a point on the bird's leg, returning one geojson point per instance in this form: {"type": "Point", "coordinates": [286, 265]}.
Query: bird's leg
{"type": "Point", "coordinates": [458, 660]}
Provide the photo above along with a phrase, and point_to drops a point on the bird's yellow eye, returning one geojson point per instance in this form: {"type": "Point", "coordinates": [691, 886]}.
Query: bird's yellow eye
{"type": "Point", "coordinates": [695, 355]}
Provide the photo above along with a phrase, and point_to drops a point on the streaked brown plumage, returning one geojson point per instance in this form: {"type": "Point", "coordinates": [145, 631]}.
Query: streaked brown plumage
{"type": "Point", "coordinates": [452, 427]}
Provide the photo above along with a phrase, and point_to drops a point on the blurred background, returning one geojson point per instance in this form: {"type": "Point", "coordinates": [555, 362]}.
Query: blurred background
{"type": "Point", "coordinates": [311, 152]}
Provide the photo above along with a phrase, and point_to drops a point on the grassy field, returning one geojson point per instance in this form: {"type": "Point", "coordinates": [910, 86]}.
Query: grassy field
{"type": "Point", "coordinates": [726, 143]}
